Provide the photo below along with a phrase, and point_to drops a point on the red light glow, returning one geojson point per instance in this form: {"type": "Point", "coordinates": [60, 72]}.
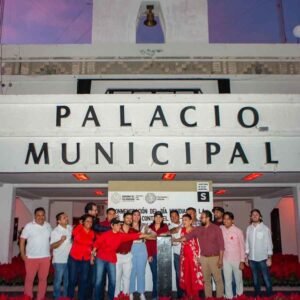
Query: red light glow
{"type": "Point", "coordinates": [252, 176]}
{"type": "Point", "coordinates": [81, 176]}
{"type": "Point", "coordinates": [220, 192]}
{"type": "Point", "coordinates": [99, 193]}
{"type": "Point", "coordinates": [168, 176]}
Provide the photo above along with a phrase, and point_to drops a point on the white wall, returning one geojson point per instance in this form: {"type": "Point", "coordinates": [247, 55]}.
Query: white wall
{"type": "Point", "coordinates": [288, 225]}
{"type": "Point", "coordinates": [7, 209]}
{"type": "Point", "coordinates": [23, 211]}
{"type": "Point", "coordinates": [44, 84]}
{"type": "Point", "coordinates": [78, 209]}
{"type": "Point", "coordinates": [262, 84]}
{"type": "Point", "coordinates": [184, 20]}
{"type": "Point", "coordinates": [67, 84]}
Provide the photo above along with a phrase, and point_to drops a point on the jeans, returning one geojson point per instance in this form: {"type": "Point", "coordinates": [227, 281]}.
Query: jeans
{"type": "Point", "coordinates": [139, 261]}
{"type": "Point", "coordinates": [258, 267]}
{"type": "Point", "coordinates": [91, 283]}
{"type": "Point", "coordinates": [153, 267]}
{"type": "Point", "coordinates": [60, 274]}
{"type": "Point", "coordinates": [176, 258]}
{"type": "Point", "coordinates": [103, 267]}
{"type": "Point", "coordinates": [78, 272]}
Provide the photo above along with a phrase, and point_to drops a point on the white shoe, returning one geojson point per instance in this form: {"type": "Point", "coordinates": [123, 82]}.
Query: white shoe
{"type": "Point", "coordinates": [131, 297]}
{"type": "Point", "coordinates": [142, 296]}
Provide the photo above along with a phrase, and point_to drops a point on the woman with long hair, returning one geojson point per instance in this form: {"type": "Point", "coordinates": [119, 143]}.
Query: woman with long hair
{"type": "Point", "coordinates": [191, 278]}
{"type": "Point", "coordinates": [80, 257]}
{"type": "Point", "coordinates": [158, 227]}
{"type": "Point", "coordinates": [139, 257]}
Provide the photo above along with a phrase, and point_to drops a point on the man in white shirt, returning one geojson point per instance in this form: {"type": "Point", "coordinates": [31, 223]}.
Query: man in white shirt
{"type": "Point", "coordinates": [175, 229]}
{"type": "Point", "coordinates": [234, 255]}
{"type": "Point", "coordinates": [37, 253]}
{"type": "Point", "coordinates": [61, 244]}
{"type": "Point", "coordinates": [259, 250]}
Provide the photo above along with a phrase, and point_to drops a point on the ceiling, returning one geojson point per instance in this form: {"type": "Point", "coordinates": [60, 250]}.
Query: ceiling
{"type": "Point", "coordinates": [64, 186]}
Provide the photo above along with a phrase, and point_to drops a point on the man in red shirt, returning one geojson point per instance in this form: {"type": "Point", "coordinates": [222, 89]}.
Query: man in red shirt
{"type": "Point", "coordinates": [124, 258]}
{"type": "Point", "coordinates": [106, 245]}
{"type": "Point", "coordinates": [98, 227]}
{"type": "Point", "coordinates": [110, 214]}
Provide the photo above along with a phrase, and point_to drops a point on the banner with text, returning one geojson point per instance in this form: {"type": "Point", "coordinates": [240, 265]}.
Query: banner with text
{"type": "Point", "coordinates": [150, 196]}
{"type": "Point", "coordinates": [149, 133]}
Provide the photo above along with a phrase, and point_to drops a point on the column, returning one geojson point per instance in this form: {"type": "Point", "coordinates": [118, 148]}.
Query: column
{"type": "Point", "coordinates": [296, 192]}
{"type": "Point", "coordinates": [7, 213]}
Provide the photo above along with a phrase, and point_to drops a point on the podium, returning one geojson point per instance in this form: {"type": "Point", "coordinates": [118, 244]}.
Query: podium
{"type": "Point", "coordinates": [164, 266]}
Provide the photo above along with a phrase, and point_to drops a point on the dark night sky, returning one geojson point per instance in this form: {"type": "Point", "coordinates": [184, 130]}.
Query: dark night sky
{"type": "Point", "coordinates": [70, 21]}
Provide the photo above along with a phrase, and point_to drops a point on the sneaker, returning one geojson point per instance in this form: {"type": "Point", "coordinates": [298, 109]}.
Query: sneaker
{"type": "Point", "coordinates": [142, 296]}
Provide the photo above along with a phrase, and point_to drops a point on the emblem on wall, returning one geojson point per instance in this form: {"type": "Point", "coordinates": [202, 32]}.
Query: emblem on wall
{"type": "Point", "coordinates": [116, 198]}
{"type": "Point", "coordinates": [150, 198]}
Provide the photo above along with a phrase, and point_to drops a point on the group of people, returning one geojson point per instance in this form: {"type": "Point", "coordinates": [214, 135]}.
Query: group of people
{"type": "Point", "coordinates": [223, 253]}
{"type": "Point", "coordinates": [93, 253]}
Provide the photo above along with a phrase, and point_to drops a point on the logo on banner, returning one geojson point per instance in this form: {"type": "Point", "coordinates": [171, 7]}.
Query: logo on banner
{"type": "Point", "coordinates": [116, 198]}
{"type": "Point", "coordinates": [150, 198]}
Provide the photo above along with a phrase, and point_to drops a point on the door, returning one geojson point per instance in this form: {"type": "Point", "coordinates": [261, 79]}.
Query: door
{"type": "Point", "coordinates": [275, 228]}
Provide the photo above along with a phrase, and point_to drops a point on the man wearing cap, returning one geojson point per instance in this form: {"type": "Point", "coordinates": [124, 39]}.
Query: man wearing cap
{"type": "Point", "coordinates": [106, 246]}
{"type": "Point", "coordinates": [218, 215]}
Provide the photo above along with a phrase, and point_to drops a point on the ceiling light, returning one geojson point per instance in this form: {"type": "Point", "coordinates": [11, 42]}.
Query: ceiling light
{"type": "Point", "coordinates": [252, 176]}
{"type": "Point", "coordinates": [81, 176]}
{"type": "Point", "coordinates": [99, 193]}
{"type": "Point", "coordinates": [168, 176]}
{"type": "Point", "coordinates": [220, 192]}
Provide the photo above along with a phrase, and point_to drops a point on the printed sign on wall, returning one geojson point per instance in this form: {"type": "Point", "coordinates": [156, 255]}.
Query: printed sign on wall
{"type": "Point", "coordinates": [150, 196]}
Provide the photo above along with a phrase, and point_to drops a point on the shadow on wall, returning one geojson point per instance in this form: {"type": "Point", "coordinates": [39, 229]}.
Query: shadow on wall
{"type": "Point", "coordinates": [287, 217]}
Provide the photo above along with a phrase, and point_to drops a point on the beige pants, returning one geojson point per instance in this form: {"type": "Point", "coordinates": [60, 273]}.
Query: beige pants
{"type": "Point", "coordinates": [210, 269]}
{"type": "Point", "coordinates": [228, 269]}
